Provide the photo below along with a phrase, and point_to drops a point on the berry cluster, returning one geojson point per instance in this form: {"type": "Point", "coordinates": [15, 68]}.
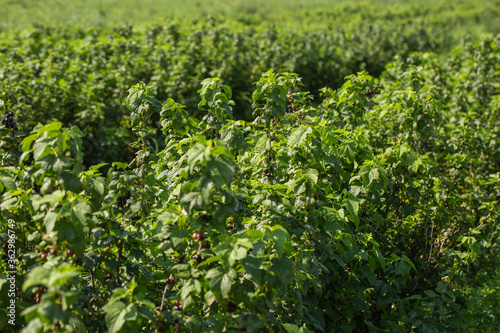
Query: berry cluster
{"type": "Point", "coordinates": [38, 295]}
{"type": "Point", "coordinates": [199, 258]}
{"type": "Point", "coordinates": [8, 121]}
{"type": "Point", "coordinates": [178, 306]}
{"type": "Point", "coordinates": [171, 281]}
{"type": "Point", "coordinates": [268, 173]}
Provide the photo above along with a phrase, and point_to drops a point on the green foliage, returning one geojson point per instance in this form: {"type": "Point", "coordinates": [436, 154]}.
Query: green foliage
{"type": "Point", "coordinates": [373, 210]}
{"type": "Point", "coordinates": [79, 75]}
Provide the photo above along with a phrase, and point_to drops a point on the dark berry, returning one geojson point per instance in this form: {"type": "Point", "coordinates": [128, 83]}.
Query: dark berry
{"type": "Point", "coordinates": [53, 251]}
{"type": "Point", "coordinates": [69, 253]}
{"type": "Point", "coordinates": [231, 306]}
{"type": "Point", "coordinates": [43, 256]}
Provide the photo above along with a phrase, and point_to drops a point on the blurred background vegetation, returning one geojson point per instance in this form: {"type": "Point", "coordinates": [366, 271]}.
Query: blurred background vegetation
{"type": "Point", "coordinates": [460, 17]}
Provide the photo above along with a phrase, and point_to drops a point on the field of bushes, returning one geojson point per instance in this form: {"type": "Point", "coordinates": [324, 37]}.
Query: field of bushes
{"type": "Point", "coordinates": [268, 167]}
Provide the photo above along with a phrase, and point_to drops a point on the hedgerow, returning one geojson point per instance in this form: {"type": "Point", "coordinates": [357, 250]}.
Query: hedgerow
{"type": "Point", "coordinates": [80, 76]}
{"type": "Point", "coordinates": [370, 211]}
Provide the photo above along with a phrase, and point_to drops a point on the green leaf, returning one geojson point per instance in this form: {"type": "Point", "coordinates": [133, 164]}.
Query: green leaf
{"type": "Point", "coordinates": [298, 136]}
{"type": "Point", "coordinates": [224, 168]}
{"type": "Point", "coordinates": [114, 317]}
{"type": "Point", "coordinates": [42, 148]}
{"type": "Point", "coordinates": [313, 175]}
{"type": "Point", "coordinates": [291, 328]}
{"type": "Point", "coordinates": [120, 165]}
{"type": "Point", "coordinates": [76, 134]}
{"type": "Point", "coordinates": [225, 285]}
{"type": "Point", "coordinates": [118, 293]}
{"type": "Point", "coordinates": [352, 204]}
{"type": "Point", "coordinates": [63, 274]}
{"type": "Point", "coordinates": [251, 265]}
{"type": "Point", "coordinates": [368, 273]}
{"type": "Point", "coordinates": [372, 175]}
{"type": "Point", "coordinates": [71, 182]}
{"type": "Point", "coordinates": [194, 324]}
{"type": "Point", "coordinates": [60, 163]}
{"type": "Point", "coordinates": [198, 153]}
{"type": "Point", "coordinates": [27, 141]}
{"type": "Point", "coordinates": [7, 180]}
{"type": "Point", "coordinates": [283, 267]}
{"type": "Point", "coordinates": [178, 236]}
{"type": "Point", "coordinates": [254, 235]}
{"type": "Point", "coordinates": [192, 200]}
{"type": "Point", "coordinates": [54, 126]}
{"type": "Point", "coordinates": [38, 275]}
{"type": "Point", "coordinates": [233, 250]}
{"type": "Point", "coordinates": [220, 280]}
{"type": "Point", "coordinates": [78, 214]}
{"type": "Point", "coordinates": [278, 235]}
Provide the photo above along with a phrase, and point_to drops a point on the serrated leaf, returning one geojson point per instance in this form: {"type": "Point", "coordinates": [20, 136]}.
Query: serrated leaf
{"type": "Point", "coordinates": [118, 293]}
{"type": "Point", "coordinates": [313, 175]}
{"type": "Point", "coordinates": [352, 205]}
{"type": "Point", "coordinates": [54, 126]}
{"type": "Point", "coordinates": [27, 141]}
{"type": "Point", "coordinates": [7, 180]}
{"type": "Point", "coordinates": [298, 136]}
{"type": "Point", "coordinates": [278, 235]}
{"type": "Point", "coordinates": [114, 317]}
{"type": "Point", "coordinates": [251, 265]}
{"type": "Point", "coordinates": [42, 148]}
{"type": "Point", "coordinates": [372, 175]}
{"type": "Point", "coordinates": [36, 276]}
